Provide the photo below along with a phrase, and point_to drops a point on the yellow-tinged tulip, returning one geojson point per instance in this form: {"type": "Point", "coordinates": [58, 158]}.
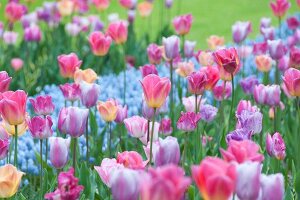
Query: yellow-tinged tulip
{"type": "Point", "coordinates": [87, 75]}
{"type": "Point", "coordinates": [11, 128]}
{"type": "Point", "coordinates": [108, 110]}
{"type": "Point", "coordinates": [10, 179]}
{"type": "Point", "coordinates": [65, 7]}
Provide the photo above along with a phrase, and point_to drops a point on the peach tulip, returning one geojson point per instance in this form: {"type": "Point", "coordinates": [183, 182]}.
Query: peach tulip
{"type": "Point", "coordinates": [156, 90]}
{"type": "Point", "coordinates": [263, 63]}
{"type": "Point", "coordinates": [87, 75]}
{"type": "Point", "coordinates": [215, 42]}
{"type": "Point", "coordinates": [108, 110]}
{"type": "Point", "coordinates": [99, 43]}
{"type": "Point", "coordinates": [205, 58]}
{"type": "Point", "coordinates": [65, 7]}
{"type": "Point", "coordinates": [9, 181]}
{"type": "Point", "coordinates": [184, 69]}
{"type": "Point", "coordinates": [145, 8]}
{"type": "Point", "coordinates": [291, 80]}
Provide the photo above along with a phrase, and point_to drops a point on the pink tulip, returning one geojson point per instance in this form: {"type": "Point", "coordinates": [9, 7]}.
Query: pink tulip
{"type": "Point", "coordinates": [16, 63]}
{"type": "Point", "coordinates": [14, 11]}
{"type": "Point", "coordinates": [4, 81]}
{"type": "Point", "coordinates": [275, 146]}
{"type": "Point", "coordinates": [99, 43]}
{"type": "Point", "coordinates": [215, 178]}
{"type": "Point", "coordinates": [245, 105]}
{"type": "Point", "coordinates": [212, 75]}
{"type": "Point", "coordinates": [72, 121]}
{"type": "Point", "coordinates": [59, 146]}
{"type": "Point", "coordinates": [189, 47]}
{"type": "Point", "coordinates": [276, 49]}
{"type": "Point", "coordinates": [240, 30]}
{"type": "Point", "coordinates": [89, 93]}
{"type": "Point", "coordinates": [165, 127]}
{"type": "Point", "coordinates": [13, 106]}
{"type": "Point", "coordinates": [293, 23]}
{"type": "Point", "coordinates": [272, 97]}
{"type": "Point", "coordinates": [148, 69]}
{"type": "Point", "coordinates": [242, 151]}
{"type": "Point", "coordinates": [295, 58]}
{"type": "Point", "coordinates": [280, 7]}
{"type": "Point", "coordinates": [283, 63]}
{"type": "Point", "coordinates": [228, 60]}
{"type": "Point", "coordinates": [272, 187]}
{"type": "Point", "coordinates": [10, 37]}
{"type": "Point", "coordinates": [260, 48]}
{"type": "Point", "coordinates": [101, 4]}
{"type": "Point", "coordinates": [196, 82]}
{"type": "Point", "coordinates": [154, 54]}
{"type": "Point", "coordinates": [188, 121]}
{"type": "Point", "coordinates": [222, 91]}
{"type": "Point", "coordinates": [298, 2]}
{"type": "Point", "coordinates": [171, 47]}
{"type": "Point", "coordinates": [4, 147]}
{"type": "Point", "coordinates": [156, 90]}
{"type": "Point", "coordinates": [128, 4]}
{"type": "Point", "coordinates": [106, 169]}
{"type": "Point", "coordinates": [248, 180]}
{"type": "Point", "coordinates": [163, 185]}
{"type": "Point", "coordinates": [68, 64]}
{"type": "Point", "coordinates": [182, 24]}
{"type": "Point", "coordinates": [40, 127]}
{"type": "Point", "coordinates": [42, 105]}
{"type": "Point", "coordinates": [118, 31]}
{"type": "Point", "coordinates": [291, 81]}
{"type": "Point", "coordinates": [32, 33]}
{"type": "Point", "coordinates": [131, 159]}
{"type": "Point", "coordinates": [259, 94]}
{"type": "Point", "coordinates": [121, 114]}
{"type": "Point", "coordinates": [268, 33]}
{"type": "Point", "coordinates": [136, 126]}
{"type": "Point", "coordinates": [71, 91]}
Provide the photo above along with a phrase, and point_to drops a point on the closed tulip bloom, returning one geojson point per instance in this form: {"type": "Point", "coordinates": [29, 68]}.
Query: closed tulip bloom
{"type": "Point", "coordinates": [182, 24]}
{"type": "Point", "coordinates": [291, 81]}
{"type": "Point", "coordinates": [168, 3]}
{"type": "Point", "coordinates": [214, 42]}
{"type": "Point", "coordinates": [128, 4]}
{"type": "Point", "coordinates": [242, 151]}
{"type": "Point", "coordinates": [99, 43]}
{"type": "Point", "coordinates": [71, 91]}
{"type": "Point", "coordinates": [268, 33]}
{"type": "Point", "coordinates": [215, 178]}
{"type": "Point", "coordinates": [196, 82]}
{"type": "Point", "coordinates": [131, 16]}
{"type": "Point", "coordinates": [4, 81]}
{"type": "Point", "coordinates": [171, 47]}
{"type": "Point", "coordinates": [205, 58]}
{"type": "Point", "coordinates": [184, 69]}
{"type": "Point", "coordinates": [275, 146]}
{"type": "Point", "coordinates": [248, 84]}
{"type": "Point", "coordinates": [276, 49]}
{"type": "Point", "coordinates": [295, 58]}
{"type": "Point", "coordinates": [13, 106]}
{"type": "Point", "coordinates": [248, 180]}
{"type": "Point", "coordinates": [42, 105]}
{"type": "Point", "coordinates": [40, 127]}
{"type": "Point", "coordinates": [145, 8]}
{"type": "Point", "coordinates": [240, 30]}
{"type": "Point", "coordinates": [165, 127]}
{"type": "Point", "coordinates": [4, 147]}
{"type": "Point", "coordinates": [72, 121]}
{"type": "Point", "coordinates": [189, 47]}
{"type": "Point", "coordinates": [121, 114]}
{"type": "Point", "coordinates": [168, 152]}
{"type": "Point", "coordinates": [10, 37]}
{"type": "Point", "coordinates": [73, 29]}
{"type": "Point", "coordinates": [101, 4]}
{"type": "Point", "coordinates": [280, 7]}
{"type": "Point", "coordinates": [59, 146]}
{"type": "Point", "coordinates": [118, 31]}
{"type": "Point", "coordinates": [272, 186]}
{"type": "Point", "coordinates": [265, 22]}
{"type": "Point", "coordinates": [108, 110]}
{"type": "Point", "coordinates": [156, 90]}
{"type": "Point", "coordinates": [283, 63]}
{"type": "Point", "coordinates": [148, 69]}
{"type": "Point", "coordinates": [87, 75]}
{"type": "Point", "coordinates": [212, 75]}
{"type": "Point", "coordinates": [32, 33]}
{"type": "Point", "coordinates": [154, 54]}
{"type": "Point", "coordinates": [10, 180]}
{"type": "Point", "coordinates": [227, 59]}
{"type": "Point", "coordinates": [188, 121]}
{"type": "Point", "coordinates": [222, 91]}
{"type": "Point", "coordinates": [259, 94]}
{"type": "Point", "coordinates": [131, 160]}
{"type": "Point", "coordinates": [14, 11]}
{"type": "Point", "coordinates": [68, 64]}
{"type": "Point", "coordinates": [163, 185]}
{"type": "Point", "coordinates": [263, 63]}
{"type": "Point", "coordinates": [189, 103]}
{"type": "Point", "coordinates": [136, 126]}
{"type": "Point", "coordinates": [16, 63]}
{"type": "Point", "coordinates": [89, 93]}
{"type": "Point", "coordinates": [272, 95]}
{"type": "Point", "coordinates": [65, 7]}
{"type": "Point", "coordinates": [260, 48]}
{"type": "Point", "coordinates": [107, 168]}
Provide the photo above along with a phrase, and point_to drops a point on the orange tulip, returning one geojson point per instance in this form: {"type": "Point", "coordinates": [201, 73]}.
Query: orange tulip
{"type": "Point", "coordinates": [65, 7]}
{"type": "Point", "coordinates": [145, 8]}
{"type": "Point", "coordinates": [87, 75]}
{"type": "Point", "coordinates": [10, 129]}
{"type": "Point", "coordinates": [10, 179]}
{"type": "Point", "coordinates": [108, 110]}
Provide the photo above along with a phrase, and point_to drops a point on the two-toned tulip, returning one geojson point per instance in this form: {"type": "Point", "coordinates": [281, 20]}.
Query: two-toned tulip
{"type": "Point", "coordinates": [40, 127]}
{"type": "Point", "coordinates": [291, 81]}
{"type": "Point", "coordinates": [99, 43]}
{"type": "Point", "coordinates": [275, 146]}
{"type": "Point", "coordinates": [182, 24]}
{"type": "Point", "coordinates": [68, 64]}
{"type": "Point", "coordinates": [59, 146]}
{"type": "Point", "coordinates": [118, 31]}
{"type": "Point", "coordinates": [4, 81]}
{"type": "Point", "coordinates": [42, 105]}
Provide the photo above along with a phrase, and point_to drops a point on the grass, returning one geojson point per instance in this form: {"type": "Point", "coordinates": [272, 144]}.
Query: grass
{"type": "Point", "coordinates": [210, 16]}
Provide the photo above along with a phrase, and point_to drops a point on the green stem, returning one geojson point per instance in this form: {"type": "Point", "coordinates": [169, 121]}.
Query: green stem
{"type": "Point", "coordinates": [148, 131]}
{"type": "Point", "coordinates": [196, 103]}
{"type": "Point", "coordinates": [151, 139]}
{"type": "Point", "coordinates": [182, 45]}
{"type": "Point", "coordinates": [74, 153]}
{"type": "Point", "coordinates": [46, 153]}
{"type": "Point", "coordinates": [232, 102]}
{"type": "Point", "coordinates": [41, 168]}
{"type": "Point", "coordinates": [184, 149]}
{"type": "Point", "coordinates": [171, 94]}
{"type": "Point", "coordinates": [275, 112]}
{"type": "Point", "coordinates": [109, 139]}
{"type": "Point", "coordinates": [87, 139]}
{"type": "Point", "coordinates": [277, 75]}
{"type": "Point", "coordinates": [16, 146]}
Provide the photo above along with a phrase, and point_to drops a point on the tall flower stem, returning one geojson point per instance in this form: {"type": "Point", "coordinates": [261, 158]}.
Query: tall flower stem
{"type": "Point", "coordinates": [148, 131]}
{"type": "Point", "coordinates": [171, 94]}
{"type": "Point", "coordinates": [124, 75]}
{"type": "Point", "coordinates": [41, 168]}
{"type": "Point", "coordinates": [274, 125]}
{"type": "Point", "coordinates": [16, 146]}
{"type": "Point", "coordinates": [74, 153]}
{"type": "Point", "coordinates": [184, 149]}
{"type": "Point", "coordinates": [196, 103]}
{"type": "Point", "coordinates": [109, 139]}
{"type": "Point", "coordinates": [151, 139]}
{"type": "Point", "coordinates": [87, 139]}
{"type": "Point", "coordinates": [232, 101]}
{"type": "Point", "coordinates": [182, 45]}
{"type": "Point", "coordinates": [279, 26]}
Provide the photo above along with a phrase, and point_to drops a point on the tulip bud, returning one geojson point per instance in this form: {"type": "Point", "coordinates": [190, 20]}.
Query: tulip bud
{"type": "Point", "coordinates": [99, 43]}
{"type": "Point", "coordinates": [16, 63]}
{"type": "Point", "coordinates": [182, 24]}
{"type": "Point", "coordinates": [59, 146]}
{"type": "Point", "coordinates": [108, 110]}
{"type": "Point", "coordinates": [275, 146]}
{"type": "Point", "coordinates": [40, 127]}
{"type": "Point", "coordinates": [89, 93]}
{"type": "Point", "coordinates": [272, 186]}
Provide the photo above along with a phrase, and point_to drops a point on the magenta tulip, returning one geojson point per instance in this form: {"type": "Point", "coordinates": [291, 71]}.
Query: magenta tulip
{"type": "Point", "coordinates": [42, 105]}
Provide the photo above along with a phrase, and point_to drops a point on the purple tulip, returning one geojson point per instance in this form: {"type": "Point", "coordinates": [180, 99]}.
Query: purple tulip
{"type": "Point", "coordinates": [268, 33]}
{"type": "Point", "coordinates": [276, 49]}
{"type": "Point", "coordinates": [28, 19]}
{"type": "Point", "coordinates": [148, 112]}
{"type": "Point", "coordinates": [89, 93]}
{"type": "Point", "coordinates": [131, 16]}
{"type": "Point", "coordinates": [40, 127]}
{"type": "Point", "coordinates": [189, 47]}
{"type": "Point", "coordinates": [32, 33]}
{"type": "Point", "coordinates": [239, 134]}
{"type": "Point", "coordinates": [275, 146]}
{"type": "Point", "coordinates": [59, 146]}
{"type": "Point", "coordinates": [250, 120]}
{"type": "Point", "coordinates": [208, 112]}
{"type": "Point", "coordinates": [72, 121]}
{"type": "Point", "coordinates": [42, 105]}
{"type": "Point", "coordinates": [272, 187]}
{"type": "Point", "coordinates": [4, 147]}
{"type": "Point", "coordinates": [154, 54]}
{"type": "Point", "coordinates": [171, 45]}
{"type": "Point", "coordinates": [248, 84]}
{"type": "Point", "coordinates": [188, 121]}
{"type": "Point", "coordinates": [168, 3]}
{"type": "Point", "coordinates": [283, 63]}
{"type": "Point", "coordinates": [248, 180]}
{"type": "Point", "coordinates": [265, 22]}
{"type": "Point", "coordinates": [272, 95]}
{"type": "Point", "coordinates": [121, 114]}
{"type": "Point", "coordinates": [165, 127]}
{"type": "Point", "coordinates": [240, 30]}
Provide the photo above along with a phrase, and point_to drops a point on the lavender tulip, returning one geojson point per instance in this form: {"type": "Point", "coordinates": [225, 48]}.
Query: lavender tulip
{"type": "Point", "coordinates": [240, 31]}
{"type": "Point", "coordinates": [248, 84]}
{"type": "Point", "coordinates": [239, 134]}
{"type": "Point", "coordinates": [121, 114]}
{"type": "Point", "coordinates": [89, 93]}
{"type": "Point", "coordinates": [171, 45]}
{"type": "Point", "coordinates": [250, 120]}
{"type": "Point", "coordinates": [208, 112]}
{"type": "Point", "coordinates": [59, 150]}
{"type": "Point", "coordinates": [272, 187]}
{"type": "Point", "coordinates": [189, 48]}
{"type": "Point", "coordinates": [275, 146]}
{"type": "Point", "coordinates": [276, 49]}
